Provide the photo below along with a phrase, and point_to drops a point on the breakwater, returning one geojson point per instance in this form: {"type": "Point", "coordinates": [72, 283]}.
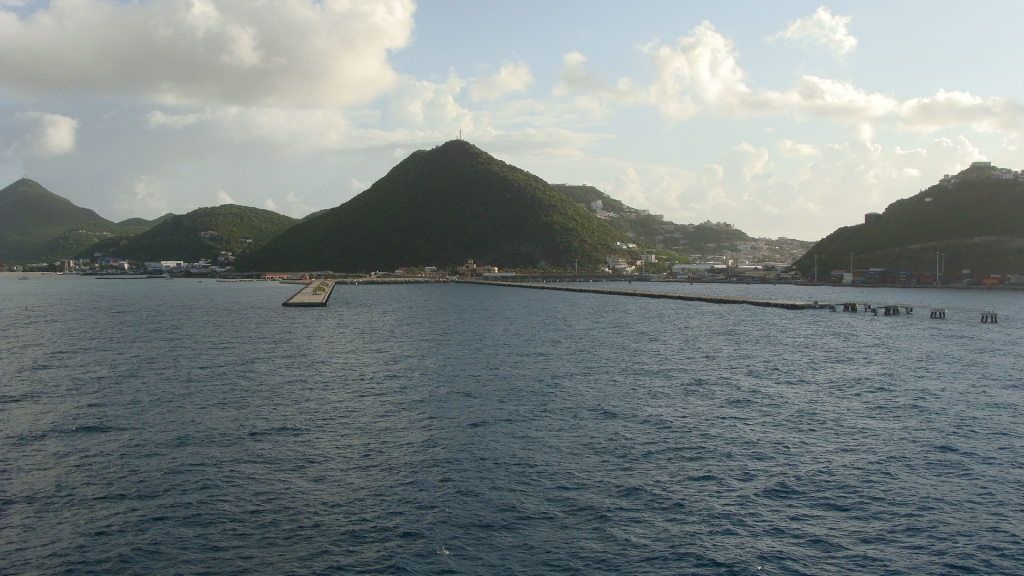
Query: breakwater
{"type": "Point", "coordinates": [316, 293]}
{"type": "Point", "coordinates": [711, 299]}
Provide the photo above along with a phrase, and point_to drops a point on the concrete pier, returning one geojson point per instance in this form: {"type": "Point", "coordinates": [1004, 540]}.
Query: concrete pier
{"type": "Point", "coordinates": [711, 299]}
{"type": "Point", "coordinates": [316, 293]}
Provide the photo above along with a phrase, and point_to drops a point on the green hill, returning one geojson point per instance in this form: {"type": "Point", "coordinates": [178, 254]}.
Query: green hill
{"type": "Point", "coordinates": [202, 233]}
{"type": "Point", "coordinates": [38, 225]}
{"type": "Point", "coordinates": [976, 220]}
{"type": "Point", "coordinates": [652, 230]}
{"type": "Point", "coordinates": [441, 207]}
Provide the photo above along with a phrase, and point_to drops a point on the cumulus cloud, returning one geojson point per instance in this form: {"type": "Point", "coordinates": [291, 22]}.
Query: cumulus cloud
{"type": "Point", "coordinates": [950, 108]}
{"type": "Point", "coordinates": [146, 198]}
{"type": "Point", "coordinates": [159, 119]}
{"type": "Point", "coordinates": [295, 205]}
{"type": "Point", "coordinates": [296, 53]}
{"type": "Point", "coordinates": [821, 29]}
{"type": "Point", "coordinates": [701, 65]}
{"type": "Point", "coordinates": [421, 114]}
{"type": "Point", "coordinates": [423, 104]}
{"type": "Point", "coordinates": [510, 78]}
{"type": "Point", "coordinates": [44, 134]}
{"type": "Point", "coordinates": [790, 149]}
{"type": "Point", "coordinates": [701, 73]}
{"type": "Point", "coordinates": [833, 188]}
{"type": "Point", "coordinates": [223, 198]}
{"type": "Point", "coordinates": [270, 205]}
{"type": "Point", "coordinates": [547, 142]}
{"type": "Point", "coordinates": [576, 77]}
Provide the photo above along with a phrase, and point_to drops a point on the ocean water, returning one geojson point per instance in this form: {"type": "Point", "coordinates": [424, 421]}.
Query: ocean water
{"type": "Point", "coordinates": [186, 427]}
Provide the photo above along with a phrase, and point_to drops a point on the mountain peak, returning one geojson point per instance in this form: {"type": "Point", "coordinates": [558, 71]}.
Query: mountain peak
{"type": "Point", "coordinates": [440, 207]}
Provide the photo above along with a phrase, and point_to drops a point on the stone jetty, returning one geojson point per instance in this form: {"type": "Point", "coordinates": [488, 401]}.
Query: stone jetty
{"type": "Point", "coordinates": [711, 299]}
{"type": "Point", "coordinates": [316, 293]}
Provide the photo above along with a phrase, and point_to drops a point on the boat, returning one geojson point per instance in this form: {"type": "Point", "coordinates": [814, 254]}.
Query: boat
{"type": "Point", "coordinates": [23, 278]}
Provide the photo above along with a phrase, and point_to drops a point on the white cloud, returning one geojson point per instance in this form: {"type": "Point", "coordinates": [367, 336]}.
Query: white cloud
{"type": "Point", "coordinates": [295, 205]}
{"type": "Point", "coordinates": [294, 53]}
{"type": "Point", "coordinates": [223, 198]}
{"type": "Point", "coordinates": [822, 29]}
{"type": "Point", "coordinates": [421, 114]}
{"type": "Point", "coordinates": [270, 205]}
{"type": "Point", "coordinates": [701, 70]}
{"type": "Point", "coordinates": [44, 134]}
{"type": "Point", "coordinates": [790, 149]}
{"type": "Point", "coordinates": [951, 108]}
{"type": "Point", "coordinates": [549, 142]}
{"type": "Point", "coordinates": [700, 73]}
{"type": "Point", "coordinates": [158, 119]}
{"type": "Point", "coordinates": [575, 77]}
{"type": "Point", "coordinates": [833, 188]}
{"type": "Point", "coordinates": [146, 199]}
{"type": "Point", "coordinates": [510, 78]}
{"type": "Point", "coordinates": [703, 65]}
{"type": "Point", "coordinates": [835, 100]}
{"type": "Point", "coordinates": [422, 104]}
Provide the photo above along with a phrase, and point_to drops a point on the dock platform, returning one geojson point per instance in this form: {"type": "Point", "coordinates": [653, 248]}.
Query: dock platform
{"type": "Point", "coordinates": [316, 293]}
{"type": "Point", "coordinates": [711, 299]}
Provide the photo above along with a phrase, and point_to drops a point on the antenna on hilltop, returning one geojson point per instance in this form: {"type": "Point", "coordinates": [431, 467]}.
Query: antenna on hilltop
{"type": "Point", "coordinates": [460, 134]}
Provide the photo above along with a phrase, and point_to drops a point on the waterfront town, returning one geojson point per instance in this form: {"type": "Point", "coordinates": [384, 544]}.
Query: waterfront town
{"type": "Point", "coordinates": [708, 269]}
{"type": "Point", "coordinates": [657, 249]}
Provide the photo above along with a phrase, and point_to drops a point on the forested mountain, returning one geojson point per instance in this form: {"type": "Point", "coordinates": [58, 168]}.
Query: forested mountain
{"type": "Point", "coordinates": [202, 233]}
{"type": "Point", "coordinates": [441, 207]}
{"type": "Point", "coordinates": [38, 225]}
{"type": "Point", "coordinates": [976, 219]}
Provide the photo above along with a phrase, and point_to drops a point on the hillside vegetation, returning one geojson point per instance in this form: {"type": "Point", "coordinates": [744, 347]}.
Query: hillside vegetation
{"type": "Point", "coordinates": [652, 230]}
{"type": "Point", "coordinates": [38, 225]}
{"type": "Point", "coordinates": [977, 221]}
{"type": "Point", "coordinates": [441, 207]}
{"type": "Point", "coordinates": [202, 233]}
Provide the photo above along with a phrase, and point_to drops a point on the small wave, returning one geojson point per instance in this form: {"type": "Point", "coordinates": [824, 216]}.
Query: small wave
{"type": "Point", "coordinates": [279, 431]}
{"type": "Point", "coordinates": [97, 428]}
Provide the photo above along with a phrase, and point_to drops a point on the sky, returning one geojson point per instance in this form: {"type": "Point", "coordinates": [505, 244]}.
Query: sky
{"type": "Point", "coordinates": [783, 118]}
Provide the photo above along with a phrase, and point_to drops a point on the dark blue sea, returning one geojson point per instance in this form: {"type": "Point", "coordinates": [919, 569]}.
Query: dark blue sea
{"type": "Point", "coordinates": [187, 427]}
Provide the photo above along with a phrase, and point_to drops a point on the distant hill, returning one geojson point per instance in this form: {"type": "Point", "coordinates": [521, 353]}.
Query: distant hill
{"type": "Point", "coordinates": [975, 219]}
{"type": "Point", "coordinates": [312, 215]}
{"type": "Point", "coordinates": [441, 207]}
{"type": "Point", "coordinates": [652, 230]}
{"type": "Point", "coordinates": [38, 225]}
{"type": "Point", "coordinates": [202, 233]}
